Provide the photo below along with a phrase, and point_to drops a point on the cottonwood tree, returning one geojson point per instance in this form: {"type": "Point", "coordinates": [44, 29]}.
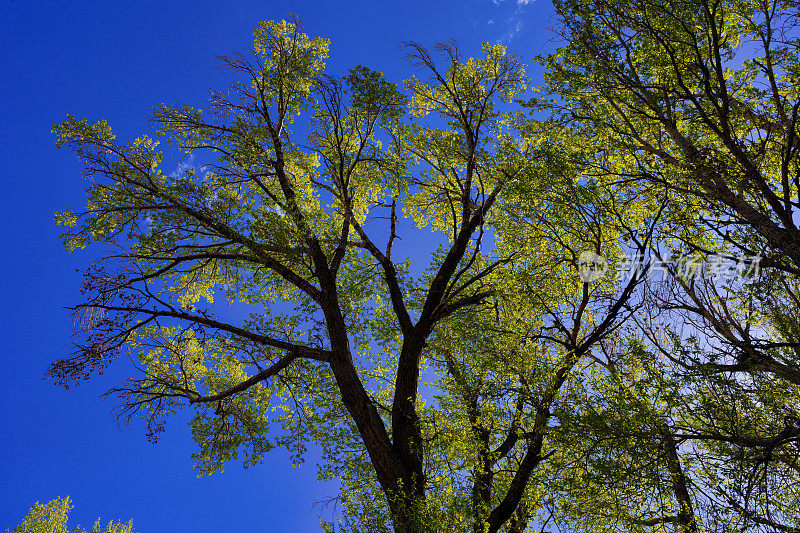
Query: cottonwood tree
{"type": "Point", "coordinates": [701, 99]}
{"type": "Point", "coordinates": [277, 218]}
{"type": "Point", "coordinates": [698, 100]}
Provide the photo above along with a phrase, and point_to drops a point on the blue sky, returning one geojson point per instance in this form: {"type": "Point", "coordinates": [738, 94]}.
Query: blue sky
{"type": "Point", "coordinates": [114, 61]}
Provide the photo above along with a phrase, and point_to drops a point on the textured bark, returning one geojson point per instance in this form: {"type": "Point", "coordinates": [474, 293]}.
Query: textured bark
{"type": "Point", "coordinates": [685, 519]}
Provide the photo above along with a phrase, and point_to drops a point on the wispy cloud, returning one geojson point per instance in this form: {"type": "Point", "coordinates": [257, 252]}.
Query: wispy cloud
{"type": "Point", "coordinates": [519, 2]}
{"type": "Point", "coordinates": [514, 24]}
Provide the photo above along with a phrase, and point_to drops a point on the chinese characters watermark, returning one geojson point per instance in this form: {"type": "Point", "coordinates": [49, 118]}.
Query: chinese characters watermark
{"type": "Point", "coordinates": [593, 267]}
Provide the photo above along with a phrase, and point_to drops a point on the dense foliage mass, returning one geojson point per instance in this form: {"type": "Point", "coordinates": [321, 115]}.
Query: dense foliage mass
{"type": "Point", "coordinates": [600, 334]}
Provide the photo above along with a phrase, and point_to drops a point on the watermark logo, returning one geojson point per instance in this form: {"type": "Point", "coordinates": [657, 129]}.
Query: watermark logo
{"type": "Point", "coordinates": [591, 266]}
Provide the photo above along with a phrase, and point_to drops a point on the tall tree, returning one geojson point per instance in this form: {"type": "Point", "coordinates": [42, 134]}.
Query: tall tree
{"type": "Point", "coordinates": [697, 100]}
{"type": "Point", "coordinates": [272, 219]}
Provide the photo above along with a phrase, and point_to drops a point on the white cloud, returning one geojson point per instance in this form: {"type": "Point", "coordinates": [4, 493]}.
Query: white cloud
{"type": "Point", "coordinates": [512, 25]}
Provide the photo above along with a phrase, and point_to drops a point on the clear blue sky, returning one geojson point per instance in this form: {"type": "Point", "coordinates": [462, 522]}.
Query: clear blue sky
{"type": "Point", "coordinates": [115, 61]}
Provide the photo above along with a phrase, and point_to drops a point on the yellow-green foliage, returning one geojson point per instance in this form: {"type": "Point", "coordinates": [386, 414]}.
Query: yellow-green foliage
{"type": "Point", "coordinates": [52, 516]}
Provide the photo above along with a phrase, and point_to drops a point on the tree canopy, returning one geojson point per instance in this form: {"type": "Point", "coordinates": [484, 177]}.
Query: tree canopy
{"type": "Point", "coordinates": [52, 518]}
{"type": "Point", "coordinates": [406, 273]}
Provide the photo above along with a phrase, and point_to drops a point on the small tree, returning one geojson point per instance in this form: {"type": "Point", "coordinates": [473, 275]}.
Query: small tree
{"type": "Point", "coordinates": [52, 518]}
